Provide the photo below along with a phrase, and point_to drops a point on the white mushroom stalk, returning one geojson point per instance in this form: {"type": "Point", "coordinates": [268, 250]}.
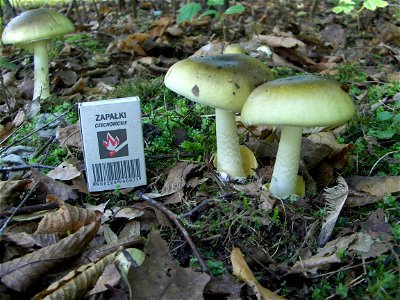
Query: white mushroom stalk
{"type": "Point", "coordinates": [229, 160]}
{"type": "Point", "coordinates": [41, 88]}
{"type": "Point", "coordinates": [284, 176]}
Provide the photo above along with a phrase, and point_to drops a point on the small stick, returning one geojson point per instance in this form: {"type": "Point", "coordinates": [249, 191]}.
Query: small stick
{"type": "Point", "coordinates": [18, 208]}
{"type": "Point", "coordinates": [171, 216]}
{"type": "Point", "coordinates": [30, 209]}
{"type": "Point", "coordinates": [202, 204]}
{"type": "Point", "coordinates": [25, 167]}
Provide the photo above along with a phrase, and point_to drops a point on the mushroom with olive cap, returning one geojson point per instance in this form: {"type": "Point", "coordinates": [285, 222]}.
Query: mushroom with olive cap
{"type": "Point", "coordinates": [32, 30]}
{"type": "Point", "coordinates": [293, 103]}
{"type": "Point", "coordinates": [223, 82]}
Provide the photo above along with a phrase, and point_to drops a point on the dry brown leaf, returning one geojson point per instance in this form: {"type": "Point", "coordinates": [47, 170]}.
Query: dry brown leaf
{"type": "Point", "coordinates": [76, 283]}
{"type": "Point", "coordinates": [129, 213]}
{"type": "Point", "coordinates": [335, 198]}
{"type": "Point", "coordinates": [9, 190]}
{"type": "Point", "coordinates": [78, 87]}
{"type": "Point", "coordinates": [67, 219]}
{"type": "Point", "coordinates": [278, 41]}
{"type": "Point", "coordinates": [376, 186]}
{"type": "Point", "coordinates": [132, 43]}
{"type": "Point", "coordinates": [160, 277]}
{"type": "Point", "coordinates": [159, 26]}
{"type": "Point", "coordinates": [367, 246]}
{"type": "Point", "coordinates": [64, 171]}
{"type": "Point", "coordinates": [325, 256]}
{"type": "Point", "coordinates": [241, 270]}
{"type": "Point", "coordinates": [313, 263]}
{"type": "Point", "coordinates": [70, 136]}
{"type": "Point", "coordinates": [176, 179]}
{"type": "Point", "coordinates": [29, 241]}
{"type": "Point", "coordinates": [18, 274]}
{"type": "Point", "coordinates": [110, 277]}
{"type": "Point", "coordinates": [56, 188]}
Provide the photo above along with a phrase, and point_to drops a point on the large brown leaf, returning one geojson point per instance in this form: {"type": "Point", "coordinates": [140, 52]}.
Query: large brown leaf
{"type": "Point", "coordinates": [21, 272]}
{"type": "Point", "coordinates": [76, 283]}
{"type": "Point", "coordinates": [67, 219]}
{"type": "Point", "coordinates": [160, 277]}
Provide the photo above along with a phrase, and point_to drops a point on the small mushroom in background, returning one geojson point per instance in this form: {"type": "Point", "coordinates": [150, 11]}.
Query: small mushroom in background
{"type": "Point", "coordinates": [293, 103]}
{"type": "Point", "coordinates": [33, 30]}
{"type": "Point", "coordinates": [223, 82]}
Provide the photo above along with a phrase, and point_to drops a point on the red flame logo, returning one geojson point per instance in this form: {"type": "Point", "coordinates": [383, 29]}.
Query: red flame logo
{"type": "Point", "coordinates": [111, 144]}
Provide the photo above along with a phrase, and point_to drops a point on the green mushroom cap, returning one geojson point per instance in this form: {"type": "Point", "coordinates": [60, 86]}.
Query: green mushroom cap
{"type": "Point", "coordinates": [35, 25]}
{"type": "Point", "coordinates": [305, 101]}
{"type": "Point", "coordinates": [219, 81]}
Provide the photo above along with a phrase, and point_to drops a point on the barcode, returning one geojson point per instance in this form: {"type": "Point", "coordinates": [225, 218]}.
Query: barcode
{"type": "Point", "coordinates": [116, 172]}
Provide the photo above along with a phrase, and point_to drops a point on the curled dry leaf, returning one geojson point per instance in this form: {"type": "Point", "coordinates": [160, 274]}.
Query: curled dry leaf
{"type": "Point", "coordinates": [241, 270]}
{"type": "Point", "coordinates": [335, 198]}
{"type": "Point", "coordinates": [325, 256]}
{"type": "Point", "coordinates": [76, 283]}
{"type": "Point", "coordinates": [64, 171]}
{"type": "Point", "coordinates": [279, 41]}
{"type": "Point", "coordinates": [18, 274]}
{"type": "Point", "coordinates": [57, 188]}
{"type": "Point", "coordinates": [67, 219]}
{"type": "Point", "coordinates": [70, 136]}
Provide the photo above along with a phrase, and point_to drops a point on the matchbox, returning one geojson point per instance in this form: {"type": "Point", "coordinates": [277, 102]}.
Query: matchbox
{"type": "Point", "coordinates": [112, 139]}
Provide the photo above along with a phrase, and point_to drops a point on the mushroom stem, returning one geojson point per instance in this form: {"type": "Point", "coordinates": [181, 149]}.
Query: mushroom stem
{"type": "Point", "coordinates": [284, 176]}
{"type": "Point", "coordinates": [41, 88]}
{"type": "Point", "coordinates": [228, 152]}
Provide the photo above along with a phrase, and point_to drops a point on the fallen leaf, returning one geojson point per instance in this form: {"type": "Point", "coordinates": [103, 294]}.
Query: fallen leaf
{"type": "Point", "coordinates": [67, 219]}
{"type": "Point", "coordinates": [376, 186]}
{"type": "Point", "coordinates": [367, 246]}
{"type": "Point", "coordinates": [377, 227]}
{"type": "Point", "coordinates": [57, 188]}
{"type": "Point", "coordinates": [32, 241]}
{"type": "Point", "coordinates": [241, 270]}
{"type": "Point", "coordinates": [9, 190]}
{"type": "Point", "coordinates": [70, 136]}
{"type": "Point", "coordinates": [64, 171]}
{"type": "Point", "coordinates": [19, 273]}
{"type": "Point", "coordinates": [160, 277]}
{"type": "Point", "coordinates": [76, 283]}
{"type": "Point", "coordinates": [176, 179]}
{"type": "Point", "coordinates": [224, 287]}
{"type": "Point", "coordinates": [278, 41]}
{"type": "Point", "coordinates": [129, 213]}
{"type": "Point", "coordinates": [335, 198]}
{"type": "Point", "coordinates": [325, 257]}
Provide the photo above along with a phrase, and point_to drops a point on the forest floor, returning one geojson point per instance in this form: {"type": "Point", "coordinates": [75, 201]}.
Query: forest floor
{"type": "Point", "coordinates": [187, 234]}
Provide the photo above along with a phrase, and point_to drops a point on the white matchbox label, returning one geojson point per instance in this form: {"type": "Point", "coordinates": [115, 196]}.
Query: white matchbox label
{"type": "Point", "coordinates": [112, 139]}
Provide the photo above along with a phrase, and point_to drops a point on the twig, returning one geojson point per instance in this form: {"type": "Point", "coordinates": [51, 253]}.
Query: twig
{"type": "Point", "coordinates": [171, 216]}
{"type": "Point", "coordinates": [377, 162]}
{"type": "Point", "coordinates": [37, 130]}
{"type": "Point", "coordinates": [31, 209]}
{"type": "Point", "coordinates": [202, 204]}
{"type": "Point", "coordinates": [25, 167]}
{"type": "Point", "coordinates": [129, 258]}
{"type": "Point", "coordinates": [17, 208]}
{"type": "Point", "coordinates": [41, 149]}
